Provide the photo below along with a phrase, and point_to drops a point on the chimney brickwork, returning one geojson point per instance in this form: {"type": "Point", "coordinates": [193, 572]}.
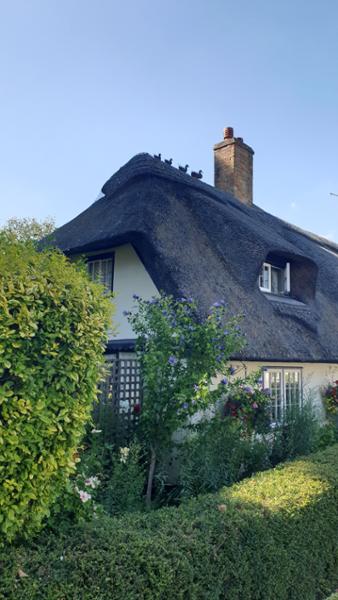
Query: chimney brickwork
{"type": "Point", "coordinates": [234, 167]}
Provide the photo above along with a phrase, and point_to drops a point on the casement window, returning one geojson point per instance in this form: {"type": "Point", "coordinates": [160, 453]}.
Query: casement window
{"type": "Point", "coordinates": [274, 279]}
{"type": "Point", "coordinates": [286, 390]}
{"type": "Point", "coordinates": [101, 269]}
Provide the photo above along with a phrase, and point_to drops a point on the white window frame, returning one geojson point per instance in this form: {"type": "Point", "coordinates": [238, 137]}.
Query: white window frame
{"type": "Point", "coordinates": [278, 410]}
{"type": "Point", "coordinates": [286, 278]}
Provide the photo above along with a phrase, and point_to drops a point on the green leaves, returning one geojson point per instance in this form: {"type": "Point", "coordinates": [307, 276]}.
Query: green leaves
{"type": "Point", "coordinates": [180, 353]}
{"type": "Point", "coordinates": [53, 323]}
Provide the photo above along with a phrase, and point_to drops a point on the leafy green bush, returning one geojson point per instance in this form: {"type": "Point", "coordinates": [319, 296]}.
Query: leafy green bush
{"type": "Point", "coordinates": [125, 489]}
{"type": "Point", "coordinates": [273, 536]}
{"type": "Point", "coordinates": [217, 454]}
{"type": "Point", "coordinates": [298, 434]}
{"type": "Point", "coordinates": [52, 332]}
{"type": "Point", "coordinates": [180, 353]}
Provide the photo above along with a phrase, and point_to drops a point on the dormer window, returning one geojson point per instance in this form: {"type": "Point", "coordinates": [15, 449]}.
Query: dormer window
{"type": "Point", "coordinates": [275, 279]}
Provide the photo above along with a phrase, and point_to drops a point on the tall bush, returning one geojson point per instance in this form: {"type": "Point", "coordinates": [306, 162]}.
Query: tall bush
{"type": "Point", "coordinates": [180, 353]}
{"type": "Point", "coordinates": [52, 333]}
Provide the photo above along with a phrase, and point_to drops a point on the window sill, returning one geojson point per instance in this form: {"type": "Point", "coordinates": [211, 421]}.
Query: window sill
{"type": "Point", "coordinates": [284, 299]}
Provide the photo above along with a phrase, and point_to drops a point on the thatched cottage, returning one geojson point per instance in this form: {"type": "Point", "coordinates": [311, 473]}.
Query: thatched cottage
{"type": "Point", "coordinates": [156, 227]}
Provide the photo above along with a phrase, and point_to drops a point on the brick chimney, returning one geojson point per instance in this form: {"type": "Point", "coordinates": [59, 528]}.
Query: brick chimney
{"type": "Point", "coordinates": [233, 167]}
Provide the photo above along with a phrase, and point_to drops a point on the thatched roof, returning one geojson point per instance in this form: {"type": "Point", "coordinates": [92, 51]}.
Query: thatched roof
{"type": "Point", "coordinates": [196, 240]}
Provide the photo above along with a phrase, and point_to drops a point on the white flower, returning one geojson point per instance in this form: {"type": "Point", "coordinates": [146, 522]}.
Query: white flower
{"type": "Point", "coordinates": [96, 430]}
{"type": "Point", "coordinates": [92, 482]}
{"type": "Point", "coordinates": [84, 496]}
{"type": "Point", "coordinates": [124, 452]}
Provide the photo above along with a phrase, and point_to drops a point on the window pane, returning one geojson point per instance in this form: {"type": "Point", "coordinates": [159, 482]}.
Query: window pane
{"type": "Point", "coordinates": [275, 385]}
{"type": "Point", "coordinates": [292, 389]}
{"type": "Point", "coordinates": [277, 281]}
{"type": "Point", "coordinates": [264, 277]}
{"type": "Point", "coordinates": [102, 271]}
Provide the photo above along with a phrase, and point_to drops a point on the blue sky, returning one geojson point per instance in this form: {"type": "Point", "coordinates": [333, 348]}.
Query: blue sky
{"type": "Point", "coordinates": [86, 85]}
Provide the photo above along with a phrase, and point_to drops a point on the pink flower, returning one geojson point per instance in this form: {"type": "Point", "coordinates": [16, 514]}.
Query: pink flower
{"type": "Point", "coordinates": [254, 405]}
{"type": "Point", "coordinates": [84, 496]}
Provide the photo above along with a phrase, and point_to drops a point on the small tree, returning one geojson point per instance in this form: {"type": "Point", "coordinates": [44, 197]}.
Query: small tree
{"type": "Point", "coordinates": [180, 353]}
{"type": "Point", "coordinates": [53, 323]}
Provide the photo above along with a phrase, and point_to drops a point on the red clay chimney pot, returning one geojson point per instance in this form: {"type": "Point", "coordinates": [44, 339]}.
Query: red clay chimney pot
{"type": "Point", "coordinates": [228, 133]}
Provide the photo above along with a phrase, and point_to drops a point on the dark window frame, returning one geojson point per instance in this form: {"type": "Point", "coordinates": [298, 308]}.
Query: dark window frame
{"type": "Point", "coordinates": [104, 256]}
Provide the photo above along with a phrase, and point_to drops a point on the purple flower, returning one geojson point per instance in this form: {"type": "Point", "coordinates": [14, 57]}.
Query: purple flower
{"type": "Point", "coordinates": [232, 370]}
{"type": "Point", "coordinates": [224, 381]}
{"type": "Point", "coordinates": [267, 392]}
{"type": "Point", "coordinates": [254, 405]}
{"type": "Point", "coordinates": [126, 313]}
{"type": "Point", "coordinates": [248, 389]}
{"type": "Point", "coordinates": [216, 305]}
{"type": "Point", "coordinates": [172, 360]}
{"type": "Point", "coordinates": [185, 405]}
{"type": "Point", "coordinates": [153, 301]}
{"type": "Point", "coordinates": [225, 332]}
{"type": "Point", "coordinates": [196, 387]}
{"type": "Point", "coordinates": [136, 297]}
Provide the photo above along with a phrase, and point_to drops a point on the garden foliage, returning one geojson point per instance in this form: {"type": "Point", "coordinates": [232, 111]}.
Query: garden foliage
{"type": "Point", "coordinates": [52, 332]}
{"type": "Point", "coordinates": [271, 536]}
{"type": "Point", "coordinates": [218, 454]}
{"type": "Point", "coordinates": [180, 352]}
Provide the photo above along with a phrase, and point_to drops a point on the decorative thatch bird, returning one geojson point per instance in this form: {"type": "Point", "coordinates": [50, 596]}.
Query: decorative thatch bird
{"type": "Point", "coordinates": [184, 169]}
{"type": "Point", "coordinates": [198, 175]}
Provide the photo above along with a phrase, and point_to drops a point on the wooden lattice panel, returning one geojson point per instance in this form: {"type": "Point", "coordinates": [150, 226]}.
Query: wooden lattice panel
{"type": "Point", "coordinates": [119, 393]}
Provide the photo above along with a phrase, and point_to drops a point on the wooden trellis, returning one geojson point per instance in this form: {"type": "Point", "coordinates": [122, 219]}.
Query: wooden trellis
{"type": "Point", "coordinates": [118, 395]}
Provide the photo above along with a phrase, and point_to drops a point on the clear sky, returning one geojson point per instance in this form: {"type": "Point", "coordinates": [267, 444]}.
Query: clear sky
{"type": "Point", "coordinates": [85, 85]}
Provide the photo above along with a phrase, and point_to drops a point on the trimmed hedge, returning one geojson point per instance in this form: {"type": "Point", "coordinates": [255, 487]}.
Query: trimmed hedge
{"type": "Point", "coordinates": [53, 323]}
{"type": "Point", "coordinates": [274, 536]}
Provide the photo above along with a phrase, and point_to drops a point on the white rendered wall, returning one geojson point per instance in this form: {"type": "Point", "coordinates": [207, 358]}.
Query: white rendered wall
{"type": "Point", "coordinates": [130, 277]}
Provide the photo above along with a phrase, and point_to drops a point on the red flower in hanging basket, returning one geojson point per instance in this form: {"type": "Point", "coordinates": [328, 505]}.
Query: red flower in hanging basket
{"type": "Point", "coordinates": [137, 409]}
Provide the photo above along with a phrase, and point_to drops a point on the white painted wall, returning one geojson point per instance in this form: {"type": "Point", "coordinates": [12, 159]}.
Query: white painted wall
{"type": "Point", "coordinates": [130, 277]}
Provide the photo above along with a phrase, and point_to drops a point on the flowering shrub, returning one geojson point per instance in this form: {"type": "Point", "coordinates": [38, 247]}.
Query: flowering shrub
{"type": "Point", "coordinates": [180, 352]}
{"type": "Point", "coordinates": [247, 401]}
{"type": "Point", "coordinates": [78, 502]}
{"type": "Point", "coordinates": [330, 398]}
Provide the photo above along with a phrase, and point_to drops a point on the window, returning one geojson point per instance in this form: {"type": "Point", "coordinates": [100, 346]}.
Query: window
{"type": "Point", "coordinates": [100, 269]}
{"type": "Point", "coordinates": [285, 385]}
{"type": "Point", "coordinates": [274, 279]}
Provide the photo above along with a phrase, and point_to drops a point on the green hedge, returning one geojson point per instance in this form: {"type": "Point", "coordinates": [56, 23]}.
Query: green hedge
{"type": "Point", "coordinates": [53, 324]}
{"type": "Point", "coordinates": [271, 537]}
